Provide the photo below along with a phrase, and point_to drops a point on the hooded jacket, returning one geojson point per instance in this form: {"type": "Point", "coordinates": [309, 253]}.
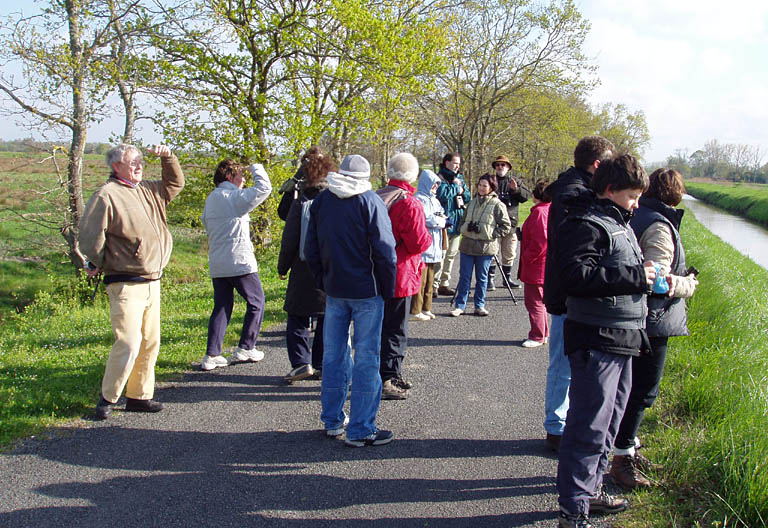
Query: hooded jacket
{"type": "Point", "coordinates": [411, 236]}
{"type": "Point", "coordinates": [434, 216]}
{"type": "Point", "coordinates": [227, 223]}
{"type": "Point", "coordinates": [350, 247]}
{"type": "Point", "coordinates": [569, 192]}
{"type": "Point", "coordinates": [124, 230]}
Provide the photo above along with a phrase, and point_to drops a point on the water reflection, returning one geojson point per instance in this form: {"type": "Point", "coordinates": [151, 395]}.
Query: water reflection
{"type": "Point", "coordinates": [748, 238]}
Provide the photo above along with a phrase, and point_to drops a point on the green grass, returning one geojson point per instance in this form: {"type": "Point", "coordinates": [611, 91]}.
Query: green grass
{"type": "Point", "coordinates": [749, 201]}
{"type": "Point", "coordinates": [709, 425]}
{"type": "Point", "coordinates": [52, 356]}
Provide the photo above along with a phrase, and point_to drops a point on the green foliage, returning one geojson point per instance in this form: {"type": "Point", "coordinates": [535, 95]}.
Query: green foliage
{"type": "Point", "coordinates": [746, 201]}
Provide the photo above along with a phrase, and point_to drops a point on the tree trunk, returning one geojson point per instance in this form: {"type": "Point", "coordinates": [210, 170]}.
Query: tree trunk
{"type": "Point", "coordinates": [75, 169]}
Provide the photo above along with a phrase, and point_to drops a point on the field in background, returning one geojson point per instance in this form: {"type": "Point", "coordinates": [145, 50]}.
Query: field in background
{"type": "Point", "coordinates": [748, 200]}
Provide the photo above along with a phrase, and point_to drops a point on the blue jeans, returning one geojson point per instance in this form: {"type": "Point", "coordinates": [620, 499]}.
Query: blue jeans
{"type": "Point", "coordinates": [480, 264]}
{"type": "Point", "coordinates": [340, 370]}
{"type": "Point", "coordinates": [558, 379]}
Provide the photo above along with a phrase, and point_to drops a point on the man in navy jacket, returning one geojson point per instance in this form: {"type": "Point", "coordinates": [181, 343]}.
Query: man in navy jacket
{"type": "Point", "coordinates": [351, 251]}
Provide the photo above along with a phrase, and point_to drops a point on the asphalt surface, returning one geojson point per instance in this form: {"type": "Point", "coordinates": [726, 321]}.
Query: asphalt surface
{"type": "Point", "coordinates": [238, 447]}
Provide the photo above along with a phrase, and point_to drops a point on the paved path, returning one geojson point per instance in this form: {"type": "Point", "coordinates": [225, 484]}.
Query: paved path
{"type": "Point", "coordinates": [237, 447]}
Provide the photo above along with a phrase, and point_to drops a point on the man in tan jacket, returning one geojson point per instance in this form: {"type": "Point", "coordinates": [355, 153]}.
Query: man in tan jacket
{"type": "Point", "coordinates": [124, 234]}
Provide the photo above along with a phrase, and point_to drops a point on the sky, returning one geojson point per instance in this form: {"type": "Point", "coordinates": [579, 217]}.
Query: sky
{"type": "Point", "coordinates": [698, 69]}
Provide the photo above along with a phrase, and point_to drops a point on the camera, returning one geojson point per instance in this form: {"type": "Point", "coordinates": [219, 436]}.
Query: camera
{"type": "Point", "coordinates": [473, 227]}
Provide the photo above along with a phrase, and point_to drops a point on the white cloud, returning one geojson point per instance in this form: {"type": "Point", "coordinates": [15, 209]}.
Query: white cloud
{"type": "Point", "coordinates": [696, 68]}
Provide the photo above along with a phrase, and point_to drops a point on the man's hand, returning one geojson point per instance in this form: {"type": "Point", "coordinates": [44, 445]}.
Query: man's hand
{"type": "Point", "coordinates": [92, 272]}
{"type": "Point", "coordinates": [512, 185]}
{"type": "Point", "coordinates": [650, 271]}
{"type": "Point", "coordinates": [283, 277]}
{"type": "Point", "coordinates": [161, 151]}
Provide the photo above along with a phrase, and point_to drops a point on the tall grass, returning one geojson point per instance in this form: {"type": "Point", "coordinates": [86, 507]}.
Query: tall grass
{"type": "Point", "coordinates": [709, 426]}
{"type": "Point", "coordinates": [747, 201]}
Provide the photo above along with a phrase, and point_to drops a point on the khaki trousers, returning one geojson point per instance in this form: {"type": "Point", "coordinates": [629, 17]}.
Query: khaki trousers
{"type": "Point", "coordinates": [508, 249]}
{"type": "Point", "coordinates": [134, 309]}
{"type": "Point", "coordinates": [443, 269]}
{"type": "Point", "coordinates": [422, 301]}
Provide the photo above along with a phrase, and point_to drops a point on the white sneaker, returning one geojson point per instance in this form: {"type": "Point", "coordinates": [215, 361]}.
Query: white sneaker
{"type": "Point", "coordinates": [428, 314]}
{"type": "Point", "coordinates": [335, 433]}
{"type": "Point", "coordinates": [482, 312]}
{"type": "Point", "coordinates": [530, 343]}
{"type": "Point", "coordinates": [419, 317]}
{"type": "Point", "coordinates": [238, 354]}
{"type": "Point", "coordinates": [212, 362]}
{"type": "Point", "coordinates": [456, 312]}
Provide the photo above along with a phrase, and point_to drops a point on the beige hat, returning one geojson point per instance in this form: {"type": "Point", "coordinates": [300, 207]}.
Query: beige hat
{"type": "Point", "coordinates": [501, 159]}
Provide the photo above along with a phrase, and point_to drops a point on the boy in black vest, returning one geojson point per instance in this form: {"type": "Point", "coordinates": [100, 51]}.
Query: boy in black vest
{"type": "Point", "coordinates": [606, 283]}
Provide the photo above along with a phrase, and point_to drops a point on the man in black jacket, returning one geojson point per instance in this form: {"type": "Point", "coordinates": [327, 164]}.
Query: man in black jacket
{"type": "Point", "coordinates": [571, 186]}
{"type": "Point", "coordinates": [511, 193]}
{"type": "Point", "coordinates": [605, 281]}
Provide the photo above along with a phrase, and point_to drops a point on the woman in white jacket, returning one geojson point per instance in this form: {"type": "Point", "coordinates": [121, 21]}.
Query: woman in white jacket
{"type": "Point", "coordinates": [231, 260]}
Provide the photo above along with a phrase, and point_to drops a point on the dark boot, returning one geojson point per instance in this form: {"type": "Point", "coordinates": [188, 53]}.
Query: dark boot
{"type": "Point", "coordinates": [624, 472]}
{"type": "Point", "coordinates": [491, 278]}
{"type": "Point", "coordinates": [507, 271]}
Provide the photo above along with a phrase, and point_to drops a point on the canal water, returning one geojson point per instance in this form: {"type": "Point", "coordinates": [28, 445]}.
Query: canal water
{"type": "Point", "coordinates": [748, 238]}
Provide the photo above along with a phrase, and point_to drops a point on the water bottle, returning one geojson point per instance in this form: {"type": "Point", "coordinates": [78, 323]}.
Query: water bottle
{"type": "Point", "coordinates": [660, 285]}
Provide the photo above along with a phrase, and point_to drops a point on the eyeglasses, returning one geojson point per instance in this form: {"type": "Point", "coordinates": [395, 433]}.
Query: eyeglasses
{"type": "Point", "coordinates": [135, 164]}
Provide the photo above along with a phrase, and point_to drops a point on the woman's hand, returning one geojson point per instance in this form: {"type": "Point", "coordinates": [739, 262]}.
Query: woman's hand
{"type": "Point", "coordinates": [650, 271]}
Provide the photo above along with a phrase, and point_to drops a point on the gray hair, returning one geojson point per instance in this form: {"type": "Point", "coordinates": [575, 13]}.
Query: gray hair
{"type": "Point", "coordinates": [117, 154]}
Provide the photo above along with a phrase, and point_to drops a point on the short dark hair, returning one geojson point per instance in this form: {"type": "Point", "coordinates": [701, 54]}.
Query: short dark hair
{"type": "Point", "coordinates": [590, 149]}
{"type": "Point", "coordinates": [540, 191]}
{"type": "Point", "coordinates": [666, 185]}
{"type": "Point", "coordinates": [450, 156]}
{"type": "Point", "coordinates": [226, 169]}
{"type": "Point", "coordinates": [623, 172]}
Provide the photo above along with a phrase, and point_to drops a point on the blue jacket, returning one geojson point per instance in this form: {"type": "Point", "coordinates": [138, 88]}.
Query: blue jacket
{"type": "Point", "coordinates": [447, 193]}
{"type": "Point", "coordinates": [350, 247]}
{"type": "Point", "coordinates": [434, 216]}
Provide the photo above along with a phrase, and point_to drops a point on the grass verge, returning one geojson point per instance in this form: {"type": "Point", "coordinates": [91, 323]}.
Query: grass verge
{"type": "Point", "coordinates": [52, 356]}
{"type": "Point", "coordinates": [746, 201]}
{"type": "Point", "coordinates": [708, 427]}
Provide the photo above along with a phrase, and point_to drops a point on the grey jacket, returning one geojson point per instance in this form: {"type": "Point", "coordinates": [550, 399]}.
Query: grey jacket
{"type": "Point", "coordinates": [226, 220]}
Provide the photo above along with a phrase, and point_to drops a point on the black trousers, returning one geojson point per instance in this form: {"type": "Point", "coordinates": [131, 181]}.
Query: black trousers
{"type": "Point", "coordinates": [297, 340]}
{"type": "Point", "coordinates": [647, 370]}
{"type": "Point", "coordinates": [394, 337]}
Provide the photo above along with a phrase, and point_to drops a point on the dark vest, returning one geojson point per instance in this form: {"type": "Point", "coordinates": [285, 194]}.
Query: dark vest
{"type": "Point", "coordinates": [666, 315]}
{"type": "Point", "coordinates": [615, 311]}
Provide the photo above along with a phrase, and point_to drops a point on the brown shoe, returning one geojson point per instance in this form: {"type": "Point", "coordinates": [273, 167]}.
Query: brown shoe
{"type": "Point", "coordinates": [625, 473]}
{"type": "Point", "coordinates": [604, 503]}
{"type": "Point", "coordinates": [445, 290]}
{"type": "Point", "coordinates": [391, 391]}
{"type": "Point", "coordinates": [553, 442]}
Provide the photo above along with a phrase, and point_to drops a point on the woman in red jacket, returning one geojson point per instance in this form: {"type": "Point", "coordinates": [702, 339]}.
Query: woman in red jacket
{"type": "Point", "coordinates": [533, 255]}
